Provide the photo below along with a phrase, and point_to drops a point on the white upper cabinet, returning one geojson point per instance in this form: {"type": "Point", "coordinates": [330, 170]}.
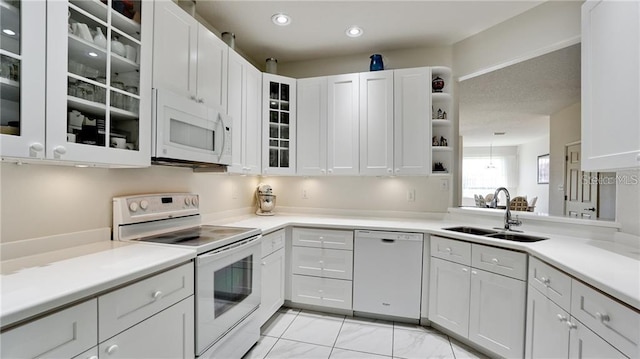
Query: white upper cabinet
{"type": "Point", "coordinates": [211, 83]}
{"type": "Point", "coordinates": [412, 121]}
{"type": "Point", "coordinates": [278, 125]}
{"type": "Point", "coordinates": [610, 85]}
{"type": "Point", "coordinates": [312, 126]}
{"type": "Point", "coordinates": [188, 59]}
{"type": "Point", "coordinates": [244, 101]}
{"type": "Point", "coordinates": [98, 108]}
{"type": "Point", "coordinates": [96, 81]}
{"type": "Point", "coordinates": [175, 50]}
{"type": "Point", "coordinates": [376, 123]}
{"type": "Point", "coordinates": [342, 125]}
{"type": "Point", "coordinates": [22, 123]}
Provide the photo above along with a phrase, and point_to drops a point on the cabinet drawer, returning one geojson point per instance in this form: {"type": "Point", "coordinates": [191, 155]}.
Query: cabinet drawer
{"type": "Point", "coordinates": [132, 304]}
{"type": "Point", "coordinates": [501, 261]}
{"type": "Point", "coordinates": [321, 262]}
{"type": "Point", "coordinates": [168, 334]}
{"type": "Point", "coordinates": [617, 324]}
{"type": "Point", "coordinates": [323, 238]}
{"type": "Point", "coordinates": [272, 242]}
{"type": "Point", "coordinates": [551, 282]}
{"type": "Point", "coordinates": [63, 334]}
{"type": "Point", "coordinates": [334, 293]}
{"type": "Point", "coordinates": [451, 250]}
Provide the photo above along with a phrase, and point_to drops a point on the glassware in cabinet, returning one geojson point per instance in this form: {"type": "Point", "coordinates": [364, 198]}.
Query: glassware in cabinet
{"type": "Point", "coordinates": [105, 88]}
{"type": "Point", "coordinates": [22, 78]}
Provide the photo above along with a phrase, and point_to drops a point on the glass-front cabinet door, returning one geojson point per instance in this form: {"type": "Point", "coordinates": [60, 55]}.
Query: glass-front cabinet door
{"type": "Point", "coordinates": [22, 78]}
{"type": "Point", "coordinates": [279, 124]}
{"type": "Point", "coordinates": [98, 81]}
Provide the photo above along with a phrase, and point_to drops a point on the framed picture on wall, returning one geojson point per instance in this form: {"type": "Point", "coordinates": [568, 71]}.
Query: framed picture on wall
{"type": "Point", "coordinates": [543, 169]}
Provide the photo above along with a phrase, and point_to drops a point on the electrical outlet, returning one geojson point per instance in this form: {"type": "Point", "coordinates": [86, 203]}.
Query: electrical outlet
{"type": "Point", "coordinates": [305, 193]}
{"type": "Point", "coordinates": [444, 184]}
{"type": "Point", "coordinates": [411, 195]}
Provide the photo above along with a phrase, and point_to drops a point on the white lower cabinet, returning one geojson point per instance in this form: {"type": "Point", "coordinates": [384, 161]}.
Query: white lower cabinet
{"type": "Point", "coordinates": [63, 334]}
{"type": "Point", "coordinates": [450, 289]}
{"type": "Point", "coordinates": [567, 319]}
{"type": "Point", "coordinates": [484, 306]}
{"type": "Point", "coordinates": [326, 292]}
{"type": "Point", "coordinates": [547, 331]}
{"type": "Point", "coordinates": [151, 318]}
{"type": "Point", "coordinates": [273, 275]}
{"type": "Point", "coordinates": [496, 313]}
{"type": "Point", "coordinates": [321, 274]}
{"type": "Point", "coordinates": [168, 334]}
{"type": "Point", "coordinates": [322, 262]}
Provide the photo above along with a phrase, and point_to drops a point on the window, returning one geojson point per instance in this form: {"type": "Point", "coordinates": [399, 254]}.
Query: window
{"type": "Point", "coordinates": [479, 178]}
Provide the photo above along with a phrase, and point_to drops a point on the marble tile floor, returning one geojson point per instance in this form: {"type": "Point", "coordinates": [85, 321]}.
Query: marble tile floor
{"type": "Point", "coordinates": [296, 334]}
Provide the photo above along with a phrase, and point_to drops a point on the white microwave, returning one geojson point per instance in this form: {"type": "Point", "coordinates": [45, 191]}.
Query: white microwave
{"type": "Point", "coordinates": [188, 133]}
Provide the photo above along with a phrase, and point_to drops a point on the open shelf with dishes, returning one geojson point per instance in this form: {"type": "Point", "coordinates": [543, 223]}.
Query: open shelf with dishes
{"type": "Point", "coordinates": [442, 120]}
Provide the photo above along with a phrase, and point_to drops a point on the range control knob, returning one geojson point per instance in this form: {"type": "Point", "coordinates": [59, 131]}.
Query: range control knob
{"type": "Point", "coordinates": [133, 206]}
{"type": "Point", "coordinates": [144, 204]}
{"type": "Point", "coordinates": [194, 201]}
{"type": "Point", "coordinates": [187, 201]}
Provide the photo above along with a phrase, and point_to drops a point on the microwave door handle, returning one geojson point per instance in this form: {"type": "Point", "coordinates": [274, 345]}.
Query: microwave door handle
{"type": "Point", "coordinates": [224, 136]}
{"type": "Point", "coordinates": [213, 255]}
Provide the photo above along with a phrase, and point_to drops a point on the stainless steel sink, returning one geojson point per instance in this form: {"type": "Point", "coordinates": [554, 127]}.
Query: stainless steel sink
{"type": "Point", "coordinates": [472, 230]}
{"type": "Point", "coordinates": [516, 237]}
{"type": "Point", "coordinates": [508, 236]}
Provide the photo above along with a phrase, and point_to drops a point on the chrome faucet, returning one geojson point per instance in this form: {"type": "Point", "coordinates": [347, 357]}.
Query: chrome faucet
{"type": "Point", "coordinates": [508, 222]}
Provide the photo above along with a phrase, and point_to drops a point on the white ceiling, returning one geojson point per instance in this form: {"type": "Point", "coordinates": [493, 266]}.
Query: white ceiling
{"type": "Point", "coordinates": [318, 28]}
{"type": "Point", "coordinates": [519, 99]}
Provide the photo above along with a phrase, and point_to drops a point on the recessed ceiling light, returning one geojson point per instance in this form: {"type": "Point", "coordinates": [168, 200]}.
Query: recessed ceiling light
{"type": "Point", "coordinates": [9, 32]}
{"type": "Point", "coordinates": [92, 54]}
{"type": "Point", "coordinates": [354, 31]}
{"type": "Point", "coordinates": [281, 19]}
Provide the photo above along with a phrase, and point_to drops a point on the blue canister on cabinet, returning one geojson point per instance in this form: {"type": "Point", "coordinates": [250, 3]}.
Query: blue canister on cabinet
{"type": "Point", "coordinates": [376, 63]}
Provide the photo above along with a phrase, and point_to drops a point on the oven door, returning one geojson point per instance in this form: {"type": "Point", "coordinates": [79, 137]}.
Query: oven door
{"type": "Point", "coordinates": [227, 289]}
{"type": "Point", "coordinates": [189, 131]}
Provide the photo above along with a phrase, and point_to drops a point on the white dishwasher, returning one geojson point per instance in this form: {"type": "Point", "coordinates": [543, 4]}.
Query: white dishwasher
{"type": "Point", "coordinates": [387, 273]}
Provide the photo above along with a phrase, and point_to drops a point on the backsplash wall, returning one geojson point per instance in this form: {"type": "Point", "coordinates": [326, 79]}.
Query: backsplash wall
{"type": "Point", "coordinates": [383, 194]}
{"type": "Point", "coordinates": [42, 200]}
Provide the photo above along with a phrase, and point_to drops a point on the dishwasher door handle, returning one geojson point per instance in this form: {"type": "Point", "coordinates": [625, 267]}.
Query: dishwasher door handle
{"type": "Point", "coordinates": [386, 240]}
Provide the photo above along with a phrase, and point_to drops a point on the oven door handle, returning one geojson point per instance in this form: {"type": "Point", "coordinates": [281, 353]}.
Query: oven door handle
{"type": "Point", "coordinates": [210, 256]}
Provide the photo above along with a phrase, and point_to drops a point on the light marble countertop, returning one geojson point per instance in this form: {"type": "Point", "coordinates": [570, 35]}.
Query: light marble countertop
{"type": "Point", "coordinates": [611, 267]}
{"type": "Point", "coordinates": [36, 284]}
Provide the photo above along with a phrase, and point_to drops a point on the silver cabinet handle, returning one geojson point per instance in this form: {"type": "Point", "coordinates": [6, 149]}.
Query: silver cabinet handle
{"type": "Point", "coordinates": [112, 349]}
{"type": "Point", "coordinates": [545, 281]}
{"type": "Point", "coordinates": [602, 317]}
{"type": "Point", "coordinates": [571, 325]}
{"type": "Point", "coordinates": [562, 318]}
{"type": "Point", "coordinates": [157, 295]}
{"type": "Point", "coordinates": [495, 260]}
{"type": "Point", "coordinates": [59, 151]}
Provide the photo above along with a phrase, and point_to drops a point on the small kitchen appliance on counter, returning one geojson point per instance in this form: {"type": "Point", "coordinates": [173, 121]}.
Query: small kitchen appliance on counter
{"type": "Point", "coordinates": [227, 266]}
{"type": "Point", "coordinates": [266, 200]}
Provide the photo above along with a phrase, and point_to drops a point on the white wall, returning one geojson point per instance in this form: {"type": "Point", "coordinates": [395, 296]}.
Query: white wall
{"type": "Point", "coordinates": [362, 193]}
{"type": "Point", "coordinates": [528, 180]}
{"type": "Point", "coordinates": [628, 201]}
{"type": "Point", "coordinates": [564, 128]}
{"type": "Point", "coordinates": [40, 200]}
{"type": "Point", "coordinates": [397, 59]}
{"type": "Point", "coordinates": [545, 28]}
